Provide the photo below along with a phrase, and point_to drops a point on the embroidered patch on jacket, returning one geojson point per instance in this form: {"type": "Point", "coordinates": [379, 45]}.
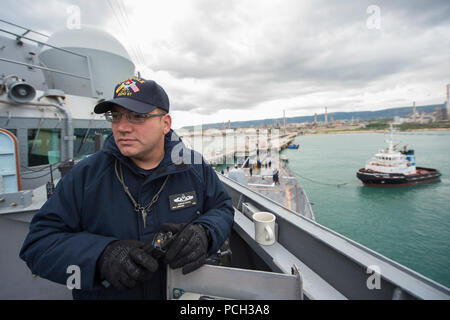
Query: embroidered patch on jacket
{"type": "Point", "coordinates": [182, 200]}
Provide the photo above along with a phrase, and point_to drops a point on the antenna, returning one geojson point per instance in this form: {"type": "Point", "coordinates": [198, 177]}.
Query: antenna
{"type": "Point", "coordinates": [448, 102]}
{"type": "Point", "coordinates": [50, 186]}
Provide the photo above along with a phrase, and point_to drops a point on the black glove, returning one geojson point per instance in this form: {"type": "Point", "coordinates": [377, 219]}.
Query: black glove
{"type": "Point", "coordinates": [123, 263]}
{"type": "Point", "coordinates": [189, 249]}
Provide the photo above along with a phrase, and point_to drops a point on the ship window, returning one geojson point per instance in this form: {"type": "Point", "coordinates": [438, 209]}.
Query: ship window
{"type": "Point", "coordinates": [43, 146]}
{"type": "Point", "coordinates": [13, 131]}
{"type": "Point", "coordinates": [84, 143]}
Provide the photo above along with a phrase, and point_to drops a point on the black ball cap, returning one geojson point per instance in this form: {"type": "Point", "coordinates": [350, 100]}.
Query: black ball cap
{"type": "Point", "coordinates": [138, 95]}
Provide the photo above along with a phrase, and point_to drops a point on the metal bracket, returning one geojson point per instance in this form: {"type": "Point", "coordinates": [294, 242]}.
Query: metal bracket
{"type": "Point", "coordinates": [296, 272]}
{"type": "Point", "coordinates": [13, 200]}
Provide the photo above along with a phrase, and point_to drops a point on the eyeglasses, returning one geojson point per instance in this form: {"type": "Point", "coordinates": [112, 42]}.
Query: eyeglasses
{"type": "Point", "coordinates": [132, 117]}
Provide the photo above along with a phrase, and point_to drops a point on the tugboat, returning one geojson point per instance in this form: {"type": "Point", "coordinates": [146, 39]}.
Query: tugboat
{"type": "Point", "coordinates": [392, 167]}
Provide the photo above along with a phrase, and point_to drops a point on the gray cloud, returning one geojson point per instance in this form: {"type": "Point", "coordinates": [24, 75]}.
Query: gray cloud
{"type": "Point", "coordinates": [242, 54]}
{"type": "Point", "coordinates": [330, 44]}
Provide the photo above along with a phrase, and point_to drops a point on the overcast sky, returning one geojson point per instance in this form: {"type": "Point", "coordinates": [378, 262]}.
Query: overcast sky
{"type": "Point", "coordinates": [223, 60]}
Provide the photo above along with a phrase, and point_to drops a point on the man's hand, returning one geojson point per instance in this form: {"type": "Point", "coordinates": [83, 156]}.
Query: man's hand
{"type": "Point", "coordinates": [189, 249]}
{"type": "Point", "coordinates": [123, 263]}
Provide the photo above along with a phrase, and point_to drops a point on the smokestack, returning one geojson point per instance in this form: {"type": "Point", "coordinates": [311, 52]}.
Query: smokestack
{"type": "Point", "coordinates": [414, 111]}
{"type": "Point", "coordinates": [448, 102]}
{"type": "Point", "coordinates": [326, 116]}
{"type": "Point", "coordinates": [284, 120]}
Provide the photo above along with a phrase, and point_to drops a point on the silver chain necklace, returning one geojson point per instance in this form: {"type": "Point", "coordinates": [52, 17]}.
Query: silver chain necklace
{"type": "Point", "coordinates": [138, 207]}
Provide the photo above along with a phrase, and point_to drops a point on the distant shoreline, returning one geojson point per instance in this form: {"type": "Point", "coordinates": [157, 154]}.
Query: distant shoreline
{"type": "Point", "coordinates": [370, 131]}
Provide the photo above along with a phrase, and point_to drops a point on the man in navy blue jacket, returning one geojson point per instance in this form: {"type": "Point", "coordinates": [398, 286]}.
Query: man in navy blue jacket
{"type": "Point", "coordinates": [110, 205]}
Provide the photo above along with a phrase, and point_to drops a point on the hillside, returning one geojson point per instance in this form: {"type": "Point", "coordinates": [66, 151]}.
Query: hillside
{"type": "Point", "coordinates": [361, 115]}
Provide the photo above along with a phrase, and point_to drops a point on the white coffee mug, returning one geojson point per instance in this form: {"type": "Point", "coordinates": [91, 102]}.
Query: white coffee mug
{"type": "Point", "coordinates": [264, 228]}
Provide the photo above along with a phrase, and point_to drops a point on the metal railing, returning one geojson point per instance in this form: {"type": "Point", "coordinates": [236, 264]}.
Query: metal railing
{"type": "Point", "coordinates": [19, 37]}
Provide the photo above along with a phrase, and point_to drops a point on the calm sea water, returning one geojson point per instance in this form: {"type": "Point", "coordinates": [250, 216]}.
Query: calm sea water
{"type": "Point", "coordinates": [410, 225]}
